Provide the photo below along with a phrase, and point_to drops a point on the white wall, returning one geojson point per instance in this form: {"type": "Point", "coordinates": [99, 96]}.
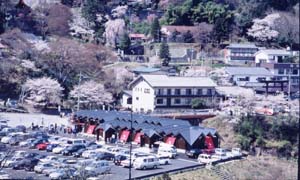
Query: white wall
{"type": "Point", "coordinates": [142, 100]}
{"type": "Point", "coordinates": [124, 101]}
{"type": "Point", "coordinates": [261, 57]}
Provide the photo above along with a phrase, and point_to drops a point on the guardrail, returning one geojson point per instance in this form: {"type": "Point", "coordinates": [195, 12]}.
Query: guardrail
{"type": "Point", "coordinates": [189, 168]}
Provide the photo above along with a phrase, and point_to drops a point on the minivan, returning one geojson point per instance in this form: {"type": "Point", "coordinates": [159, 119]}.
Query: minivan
{"type": "Point", "coordinates": [149, 162]}
{"type": "Point", "coordinates": [76, 142]}
{"type": "Point", "coordinates": [167, 151]}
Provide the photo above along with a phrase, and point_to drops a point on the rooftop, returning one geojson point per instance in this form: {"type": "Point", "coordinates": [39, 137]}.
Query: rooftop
{"type": "Point", "coordinates": [248, 71]}
{"type": "Point", "coordinates": [176, 81]}
{"type": "Point", "coordinates": [242, 45]}
{"type": "Point", "coordinates": [275, 52]}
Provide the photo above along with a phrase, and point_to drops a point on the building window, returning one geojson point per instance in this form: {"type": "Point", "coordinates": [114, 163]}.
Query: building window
{"type": "Point", "coordinates": [146, 90]}
{"type": "Point", "coordinates": [209, 92]}
{"type": "Point", "coordinates": [169, 91]}
{"type": "Point", "coordinates": [199, 92]}
{"type": "Point", "coordinates": [188, 92]}
{"type": "Point", "coordinates": [160, 92]}
{"type": "Point", "coordinates": [177, 91]}
{"type": "Point", "coordinates": [177, 101]}
{"type": "Point", "coordinates": [159, 101]}
{"type": "Point", "coordinates": [280, 71]}
{"type": "Point", "coordinates": [295, 71]}
{"type": "Point", "coordinates": [188, 101]}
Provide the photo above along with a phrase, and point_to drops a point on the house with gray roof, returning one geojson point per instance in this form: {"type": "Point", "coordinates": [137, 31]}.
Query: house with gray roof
{"type": "Point", "coordinates": [248, 76]}
{"type": "Point", "coordinates": [240, 53]}
{"type": "Point", "coordinates": [151, 92]}
{"type": "Point", "coordinates": [146, 130]}
{"type": "Point", "coordinates": [271, 55]}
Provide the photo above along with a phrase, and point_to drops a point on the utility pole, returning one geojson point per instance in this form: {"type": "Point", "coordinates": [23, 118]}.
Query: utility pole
{"type": "Point", "coordinates": [78, 98]}
{"type": "Point", "coordinates": [289, 88]}
{"type": "Point", "coordinates": [130, 148]}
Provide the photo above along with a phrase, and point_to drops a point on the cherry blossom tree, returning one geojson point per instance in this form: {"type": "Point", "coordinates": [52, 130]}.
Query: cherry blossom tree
{"type": "Point", "coordinates": [91, 93]}
{"type": "Point", "coordinates": [263, 30]}
{"type": "Point", "coordinates": [114, 29]}
{"type": "Point", "coordinates": [42, 92]}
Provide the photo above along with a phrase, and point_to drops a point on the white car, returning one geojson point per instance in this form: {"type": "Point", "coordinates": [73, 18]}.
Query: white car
{"type": "Point", "coordinates": [49, 159]}
{"type": "Point", "coordinates": [170, 152]}
{"type": "Point", "coordinates": [164, 160]}
{"type": "Point", "coordinates": [26, 142]}
{"type": "Point", "coordinates": [59, 149]}
{"type": "Point", "coordinates": [146, 162]}
{"type": "Point", "coordinates": [234, 153]}
{"type": "Point", "coordinates": [61, 174]}
{"type": "Point", "coordinates": [40, 167]}
{"type": "Point", "coordinates": [205, 158]}
{"type": "Point", "coordinates": [11, 162]}
{"type": "Point", "coordinates": [90, 153]}
{"type": "Point", "coordinates": [4, 175]}
{"type": "Point", "coordinates": [98, 167]}
{"type": "Point", "coordinates": [20, 153]}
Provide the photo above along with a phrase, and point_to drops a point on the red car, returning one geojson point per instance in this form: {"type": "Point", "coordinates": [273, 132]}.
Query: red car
{"type": "Point", "coordinates": [42, 146]}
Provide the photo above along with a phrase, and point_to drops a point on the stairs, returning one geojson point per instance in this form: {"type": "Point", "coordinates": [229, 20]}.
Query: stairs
{"type": "Point", "coordinates": [218, 172]}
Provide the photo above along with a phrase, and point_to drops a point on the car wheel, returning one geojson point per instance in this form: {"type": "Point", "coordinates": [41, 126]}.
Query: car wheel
{"type": "Point", "coordinates": [144, 168]}
{"type": "Point", "coordinates": [154, 167]}
{"type": "Point", "coordinates": [166, 163]}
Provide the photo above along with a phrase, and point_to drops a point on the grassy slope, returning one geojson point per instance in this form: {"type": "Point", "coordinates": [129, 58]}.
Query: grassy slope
{"type": "Point", "coordinates": [260, 168]}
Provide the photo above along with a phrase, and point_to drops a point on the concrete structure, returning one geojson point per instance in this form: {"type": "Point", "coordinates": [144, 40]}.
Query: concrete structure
{"type": "Point", "coordinates": [179, 56]}
{"type": "Point", "coordinates": [150, 92]}
{"type": "Point", "coordinates": [248, 76]}
{"type": "Point", "coordinates": [240, 53]}
{"type": "Point", "coordinates": [288, 72]}
{"type": "Point", "coordinates": [271, 55]}
{"type": "Point", "coordinates": [115, 126]}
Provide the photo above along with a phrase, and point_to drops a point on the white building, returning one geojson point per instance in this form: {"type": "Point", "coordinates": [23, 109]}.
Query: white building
{"type": "Point", "coordinates": [150, 92]}
{"type": "Point", "coordinates": [248, 76]}
{"type": "Point", "coordinates": [271, 56]}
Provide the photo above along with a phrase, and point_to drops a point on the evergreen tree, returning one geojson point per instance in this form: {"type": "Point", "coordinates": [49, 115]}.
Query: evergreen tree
{"type": "Point", "coordinates": [164, 53]}
{"type": "Point", "coordinates": [124, 42]}
{"type": "Point", "coordinates": [188, 37]}
{"type": "Point", "coordinates": [67, 2]}
{"type": "Point", "coordinates": [155, 30]}
{"type": "Point", "coordinates": [174, 36]}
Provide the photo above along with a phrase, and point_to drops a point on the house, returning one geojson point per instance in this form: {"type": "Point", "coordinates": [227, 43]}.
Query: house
{"type": "Point", "coordinates": [271, 55]}
{"type": "Point", "coordinates": [240, 53]}
{"type": "Point", "coordinates": [248, 76]}
{"type": "Point", "coordinates": [180, 56]}
{"type": "Point", "coordinates": [151, 92]}
{"type": "Point", "coordinates": [168, 30]}
{"type": "Point", "coordinates": [137, 37]}
{"type": "Point", "coordinates": [146, 130]}
{"type": "Point", "coordinates": [285, 72]}
{"type": "Point", "coordinates": [126, 100]}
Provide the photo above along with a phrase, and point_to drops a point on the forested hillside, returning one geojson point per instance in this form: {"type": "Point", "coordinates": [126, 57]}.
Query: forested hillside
{"type": "Point", "coordinates": [71, 40]}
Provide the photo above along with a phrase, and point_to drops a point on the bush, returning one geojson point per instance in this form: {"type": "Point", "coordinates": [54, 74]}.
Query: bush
{"type": "Point", "coordinates": [198, 104]}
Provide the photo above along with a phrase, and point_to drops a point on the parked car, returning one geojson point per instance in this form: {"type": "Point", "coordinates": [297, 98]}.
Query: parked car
{"type": "Point", "coordinates": [205, 158]}
{"type": "Point", "coordinates": [12, 138]}
{"type": "Point", "coordinates": [71, 149]}
{"type": "Point", "coordinates": [118, 158]}
{"type": "Point", "coordinates": [20, 153]}
{"type": "Point", "coordinates": [25, 163]}
{"type": "Point", "coordinates": [170, 152]}
{"type": "Point", "coordinates": [38, 141]}
{"type": "Point", "coordinates": [62, 173]}
{"type": "Point", "coordinates": [78, 153]}
{"type": "Point", "coordinates": [126, 162]}
{"type": "Point", "coordinates": [59, 149]}
{"type": "Point", "coordinates": [76, 142]}
{"type": "Point", "coordinates": [193, 153]}
{"type": "Point", "coordinates": [146, 162]}
{"type": "Point", "coordinates": [26, 142]}
{"type": "Point", "coordinates": [21, 128]}
{"type": "Point", "coordinates": [102, 156]}
{"type": "Point", "coordinates": [164, 160]}
{"type": "Point", "coordinates": [11, 162]}
{"type": "Point", "coordinates": [51, 146]}
{"type": "Point", "coordinates": [49, 159]}
{"type": "Point", "coordinates": [4, 175]}
{"type": "Point", "coordinates": [41, 166]}
{"type": "Point", "coordinates": [30, 155]}
{"type": "Point", "coordinates": [98, 167]}
{"type": "Point", "coordinates": [42, 146]}
{"type": "Point", "coordinates": [94, 146]}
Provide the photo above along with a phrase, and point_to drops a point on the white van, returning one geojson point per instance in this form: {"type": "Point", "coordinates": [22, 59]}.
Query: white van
{"type": "Point", "coordinates": [169, 151]}
{"type": "Point", "coordinates": [147, 162]}
{"type": "Point", "coordinates": [76, 142]}
{"type": "Point", "coordinates": [98, 167]}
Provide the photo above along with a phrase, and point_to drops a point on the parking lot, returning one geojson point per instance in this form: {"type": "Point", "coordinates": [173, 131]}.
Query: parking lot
{"type": "Point", "coordinates": [117, 172]}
